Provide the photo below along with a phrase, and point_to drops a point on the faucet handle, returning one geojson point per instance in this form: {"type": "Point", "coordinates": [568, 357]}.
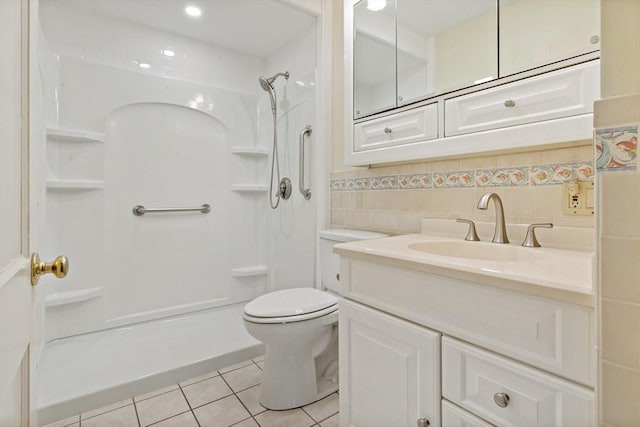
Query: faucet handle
{"type": "Point", "coordinates": [530, 240]}
{"type": "Point", "coordinates": [472, 236]}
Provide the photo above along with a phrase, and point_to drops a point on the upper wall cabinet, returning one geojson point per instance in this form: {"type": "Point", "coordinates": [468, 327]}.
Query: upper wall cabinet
{"type": "Point", "coordinates": [404, 54]}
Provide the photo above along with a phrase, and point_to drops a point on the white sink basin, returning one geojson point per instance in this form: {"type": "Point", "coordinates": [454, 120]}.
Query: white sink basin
{"type": "Point", "coordinates": [479, 251]}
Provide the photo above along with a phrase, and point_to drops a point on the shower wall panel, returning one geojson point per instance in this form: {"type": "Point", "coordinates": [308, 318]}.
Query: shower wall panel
{"type": "Point", "coordinates": [165, 135]}
{"type": "Point", "coordinates": [293, 243]}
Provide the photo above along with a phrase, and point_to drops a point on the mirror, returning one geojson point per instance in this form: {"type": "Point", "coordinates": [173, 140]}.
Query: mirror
{"type": "Point", "coordinates": [445, 45]}
{"type": "Point", "coordinates": [408, 50]}
{"type": "Point", "coordinates": [538, 32]}
{"type": "Point", "coordinates": [374, 56]}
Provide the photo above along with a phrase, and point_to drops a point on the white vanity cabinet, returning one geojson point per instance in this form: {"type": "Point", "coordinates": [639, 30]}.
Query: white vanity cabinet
{"type": "Point", "coordinates": [389, 370]}
{"type": "Point", "coordinates": [507, 357]}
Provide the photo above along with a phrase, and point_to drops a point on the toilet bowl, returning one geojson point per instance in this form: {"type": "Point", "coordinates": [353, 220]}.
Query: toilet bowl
{"type": "Point", "coordinates": [299, 328]}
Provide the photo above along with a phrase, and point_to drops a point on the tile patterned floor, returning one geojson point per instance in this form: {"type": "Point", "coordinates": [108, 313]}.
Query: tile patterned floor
{"type": "Point", "coordinates": [223, 398]}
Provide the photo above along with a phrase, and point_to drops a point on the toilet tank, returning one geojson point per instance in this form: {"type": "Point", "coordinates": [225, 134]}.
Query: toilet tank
{"type": "Point", "coordinates": [329, 261]}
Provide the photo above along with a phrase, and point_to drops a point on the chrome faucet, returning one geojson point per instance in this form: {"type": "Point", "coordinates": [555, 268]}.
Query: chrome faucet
{"type": "Point", "coordinates": [500, 233]}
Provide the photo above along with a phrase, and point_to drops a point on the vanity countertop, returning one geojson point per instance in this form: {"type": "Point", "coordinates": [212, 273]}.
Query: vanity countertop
{"type": "Point", "coordinates": [547, 272]}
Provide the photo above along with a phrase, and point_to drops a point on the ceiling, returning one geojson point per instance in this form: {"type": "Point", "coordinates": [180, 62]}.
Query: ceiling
{"type": "Point", "coordinates": [255, 27]}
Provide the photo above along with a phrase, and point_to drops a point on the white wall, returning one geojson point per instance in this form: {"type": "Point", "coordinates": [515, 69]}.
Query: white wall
{"type": "Point", "coordinates": [293, 224]}
{"type": "Point", "coordinates": [169, 132]}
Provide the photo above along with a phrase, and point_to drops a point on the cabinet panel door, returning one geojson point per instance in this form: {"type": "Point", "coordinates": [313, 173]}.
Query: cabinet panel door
{"type": "Point", "coordinates": [562, 93]}
{"type": "Point", "coordinates": [389, 370]}
{"type": "Point", "coordinates": [410, 126]}
{"type": "Point", "coordinates": [510, 394]}
{"type": "Point", "coordinates": [452, 416]}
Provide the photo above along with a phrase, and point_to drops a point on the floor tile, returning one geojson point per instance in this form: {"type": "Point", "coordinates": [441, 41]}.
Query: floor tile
{"type": "Point", "coordinates": [155, 393]}
{"type": "Point", "coordinates": [221, 413]}
{"type": "Point", "coordinates": [122, 417]}
{"type": "Point", "coordinates": [105, 409]}
{"type": "Point", "coordinates": [243, 378]}
{"type": "Point", "coordinates": [333, 421]}
{"type": "Point", "coordinates": [206, 391]}
{"type": "Point", "coordinates": [236, 366]}
{"type": "Point", "coordinates": [251, 399]}
{"type": "Point", "coordinates": [199, 378]}
{"type": "Point", "coordinates": [66, 422]}
{"type": "Point", "coordinates": [290, 418]}
{"type": "Point", "coordinates": [323, 408]}
{"type": "Point", "coordinates": [183, 420]}
{"type": "Point", "coordinates": [249, 422]}
{"type": "Point", "coordinates": [161, 407]}
{"type": "Point", "coordinates": [260, 364]}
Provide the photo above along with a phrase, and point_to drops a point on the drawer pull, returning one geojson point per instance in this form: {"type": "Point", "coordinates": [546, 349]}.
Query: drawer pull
{"type": "Point", "coordinates": [338, 277]}
{"type": "Point", "coordinates": [387, 130]}
{"type": "Point", "coordinates": [423, 422]}
{"type": "Point", "coordinates": [501, 399]}
{"type": "Point", "coordinates": [509, 103]}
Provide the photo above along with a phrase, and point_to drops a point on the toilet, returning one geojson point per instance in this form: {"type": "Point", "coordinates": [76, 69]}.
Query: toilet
{"type": "Point", "coordinates": [299, 328]}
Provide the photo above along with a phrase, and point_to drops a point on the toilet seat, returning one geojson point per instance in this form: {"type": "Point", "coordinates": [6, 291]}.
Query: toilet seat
{"type": "Point", "coordinates": [290, 305]}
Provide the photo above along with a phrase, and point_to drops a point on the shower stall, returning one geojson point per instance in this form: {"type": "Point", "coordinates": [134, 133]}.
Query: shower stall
{"type": "Point", "coordinates": [159, 142]}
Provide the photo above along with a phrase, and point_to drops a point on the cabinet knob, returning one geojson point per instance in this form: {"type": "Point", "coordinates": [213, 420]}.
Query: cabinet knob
{"type": "Point", "coordinates": [400, 98]}
{"type": "Point", "coordinates": [509, 103]}
{"type": "Point", "coordinates": [387, 130]}
{"type": "Point", "coordinates": [501, 399]}
{"type": "Point", "coordinates": [338, 277]}
{"type": "Point", "coordinates": [423, 422]}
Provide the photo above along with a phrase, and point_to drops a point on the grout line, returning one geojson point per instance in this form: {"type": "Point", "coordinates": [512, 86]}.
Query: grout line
{"type": "Point", "coordinates": [135, 408]}
{"type": "Point", "coordinates": [165, 419]}
{"type": "Point", "coordinates": [189, 403]}
{"type": "Point", "coordinates": [240, 400]}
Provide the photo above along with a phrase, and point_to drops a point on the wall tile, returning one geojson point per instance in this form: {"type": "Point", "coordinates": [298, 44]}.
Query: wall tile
{"type": "Point", "coordinates": [620, 269]}
{"type": "Point", "coordinates": [619, 204]}
{"type": "Point", "coordinates": [616, 148]}
{"type": "Point", "coordinates": [620, 333]}
{"type": "Point", "coordinates": [620, 391]}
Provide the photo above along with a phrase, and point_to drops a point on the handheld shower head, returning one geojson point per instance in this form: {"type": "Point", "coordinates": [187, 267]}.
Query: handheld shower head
{"type": "Point", "coordinates": [267, 85]}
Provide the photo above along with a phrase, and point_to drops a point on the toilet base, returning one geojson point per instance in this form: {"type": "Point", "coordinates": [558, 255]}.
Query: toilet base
{"type": "Point", "coordinates": [300, 362]}
{"type": "Point", "coordinates": [279, 391]}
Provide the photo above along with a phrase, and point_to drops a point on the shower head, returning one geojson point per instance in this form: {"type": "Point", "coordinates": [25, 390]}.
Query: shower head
{"type": "Point", "coordinates": [267, 85]}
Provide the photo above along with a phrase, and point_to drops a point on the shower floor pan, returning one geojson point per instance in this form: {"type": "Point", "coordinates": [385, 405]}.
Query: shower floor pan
{"type": "Point", "coordinates": [85, 372]}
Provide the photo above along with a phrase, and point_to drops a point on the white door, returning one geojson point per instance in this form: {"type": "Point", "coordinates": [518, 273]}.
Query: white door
{"type": "Point", "coordinates": [15, 290]}
{"type": "Point", "coordinates": [389, 370]}
{"type": "Point", "coordinates": [21, 210]}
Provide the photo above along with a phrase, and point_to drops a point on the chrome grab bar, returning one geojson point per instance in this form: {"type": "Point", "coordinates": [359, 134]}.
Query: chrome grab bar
{"type": "Point", "coordinates": [140, 210]}
{"type": "Point", "coordinates": [306, 192]}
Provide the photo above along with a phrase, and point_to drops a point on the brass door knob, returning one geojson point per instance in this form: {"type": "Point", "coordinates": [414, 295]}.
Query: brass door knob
{"type": "Point", "coordinates": [59, 267]}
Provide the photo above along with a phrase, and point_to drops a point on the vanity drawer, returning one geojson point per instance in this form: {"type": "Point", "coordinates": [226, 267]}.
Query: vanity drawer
{"type": "Point", "coordinates": [452, 416]}
{"type": "Point", "coordinates": [402, 128]}
{"type": "Point", "coordinates": [568, 92]}
{"type": "Point", "coordinates": [552, 335]}
{"type": "Point", "coordinates": [480, 382]}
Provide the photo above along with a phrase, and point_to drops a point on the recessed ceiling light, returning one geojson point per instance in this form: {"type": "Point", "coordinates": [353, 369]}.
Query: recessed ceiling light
{"type": "Point", "coordinates": [376, 5]}
{"type": "Point", "coordinates": [144, 65]}
{"type": "Point", "coordinates": [168, 53]}
{"type": "Point", "coordinates": [193, 11]}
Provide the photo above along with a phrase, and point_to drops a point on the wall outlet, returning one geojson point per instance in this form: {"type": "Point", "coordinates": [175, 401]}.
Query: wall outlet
{"type": "Point", "coordinates": [578, 198]}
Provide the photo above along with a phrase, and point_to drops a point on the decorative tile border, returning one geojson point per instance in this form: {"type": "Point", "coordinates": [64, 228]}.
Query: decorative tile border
{"type": "Point", "coordinates": [616, 148]}
{"type": "Point", "coordinates": [552, 174]}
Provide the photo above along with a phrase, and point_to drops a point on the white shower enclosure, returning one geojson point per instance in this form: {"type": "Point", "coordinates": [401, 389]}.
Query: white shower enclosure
{"type": "Point", "coordinates": [145, 105]}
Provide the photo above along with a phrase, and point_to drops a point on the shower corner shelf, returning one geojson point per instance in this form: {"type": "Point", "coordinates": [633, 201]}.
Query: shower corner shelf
{"type": "Point", "coordinates": [74, 184]}
{"type": "Point", "coordinates": [249, 188]}
{"type": "Point", "coordinates": [254, 270]}
{"type": "Point", "coordinates": [70, 297]}
{"type": "Point", "coordinates": [74, 135]}
{"type": "Point", "coordinates": [250, 151]}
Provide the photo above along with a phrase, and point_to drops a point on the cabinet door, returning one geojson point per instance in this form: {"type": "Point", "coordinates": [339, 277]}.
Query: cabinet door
{"type": "Point", "coordinates": [389, 370]}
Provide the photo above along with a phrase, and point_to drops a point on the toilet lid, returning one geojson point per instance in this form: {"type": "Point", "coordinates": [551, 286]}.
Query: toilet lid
{"type": "Point", "coordinates": [290, 302]}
